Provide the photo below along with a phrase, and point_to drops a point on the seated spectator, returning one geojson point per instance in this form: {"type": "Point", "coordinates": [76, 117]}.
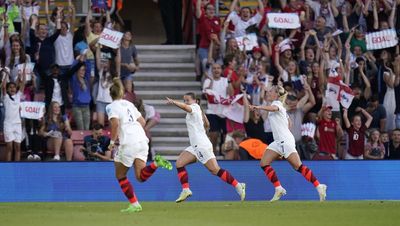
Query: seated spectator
{"type": "Point", "coordinates": [56, 128]}
{"type": "Point", "coordinates": [384, 138]}
{"type": "Point", "coordinates": [374, 148]}
{"type": "Point", "coordinates": [394, 145]}
{"type": "Point", "coordinates": [356, 133]}
{"type": "Point", "coordinates": [245, 19]}
{"type": "Point", "coordinates": [328, 132]}
{"type": "Point", "coordinates": [378, 113]}
{"type": "Point", "coordinates": [246, 148]}
{"type": "Point", "coordinates": [149, 113]}
{"type": "Point", "coordinates": [96, 147]}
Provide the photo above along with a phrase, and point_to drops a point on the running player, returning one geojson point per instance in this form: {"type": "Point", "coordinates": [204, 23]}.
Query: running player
{"type": "Point", "coordinates": [127, 125]}
{"type": "Point", "coordinates": [283, 145]}
{"type": "Point", "coordinates": [200, 148]}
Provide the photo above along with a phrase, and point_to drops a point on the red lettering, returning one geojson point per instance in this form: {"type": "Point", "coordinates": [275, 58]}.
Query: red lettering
{"type": "Point", "coordinates": [32, 109]}
{"type": "Point", "coordinates": [381, 39]}
{"type": "Point", "coordinates": [283, 20]}
{"type": "Point", "coordinates": [110, 37]}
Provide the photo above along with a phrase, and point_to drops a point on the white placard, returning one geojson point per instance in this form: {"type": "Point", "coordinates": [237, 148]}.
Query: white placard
{"type": "Point", "coordinates": [346, 99]}
{"type": "Point", "coordinates": [110, 38]}
{"type": "Point", "coordinates": [249, 40]}
{"type": "Point", "coordinates": [381, 39]}
{"type": "Point", "coordinates": [28, 70]}
{"type": "Point", "coordinates": [283, 20]}
{"type": "Point", "coordinates": [32, 110]}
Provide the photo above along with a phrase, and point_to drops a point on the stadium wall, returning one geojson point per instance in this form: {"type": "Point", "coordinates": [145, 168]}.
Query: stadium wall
{"type": "Point", "coordinates": [94, 181]}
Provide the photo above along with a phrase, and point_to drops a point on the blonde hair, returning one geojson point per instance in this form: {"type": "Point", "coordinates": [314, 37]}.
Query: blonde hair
{"type": "Point", "coordinates": [116, 89]}
{"type": "Point", "coordinates": [282, 93]}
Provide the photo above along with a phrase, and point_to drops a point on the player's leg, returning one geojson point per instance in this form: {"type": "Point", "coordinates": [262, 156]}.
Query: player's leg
{"type": "Point", "coordinates": [143, 172]}
{"type": "Point", "coordinates": [126, 187]}
{"type": "Point", "coordinates": [213, 167]}
{"type": "Point", "coordinates": [185, 158]}
{"type": "Point", "coordinates": [269, 156]}
{"type": "Point", "coordinates": [296, 163]}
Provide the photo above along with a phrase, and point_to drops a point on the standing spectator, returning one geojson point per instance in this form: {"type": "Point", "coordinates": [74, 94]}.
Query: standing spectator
{"type": "Point", "coordinates": [397, 90]}
{"type": "Point", "coordinates": [394, 145]}
{"type": "Point", "coordinates": [245, 19]}
{"type": "Point", "coordinates": [378, 113]}
{"type": "Point", "coordinates": [374, 148]}
{"type": "Point", "coordinates": [384, 138]}
{"type": "Point", "coordinates": [253, 122]}
{"type": "Point", "coordinates": [56, 128]}
{"type": "Point", "coordinates": [209, 27]}
{"type": "Point", "coordinates": [96, 146]}
{"type": "Point", "coordinates": [326, 9]}
{"type": "Point", "coordinates": [356, 133]}
{"type": "Point", "coordinates": [12, 120]}
{"type": "Point", "coordinates": [43, 52]}
{"type": "Point", "coordinates": [222, 88]}
{"type": "Point", "coordinates": [129, 61]}
{"type": "Point", "coordinates": [17, 57]}
{"type": "Point", "coordinates": [64, 51]}
{"type": "Point", "coordinates": [328, 132]}
{"type": "Point", "coordinates": [296, 109]}
{"type": "Point", "coordinates": [389, 100]}
{"type": "Point", "coordinates": [171, 15]}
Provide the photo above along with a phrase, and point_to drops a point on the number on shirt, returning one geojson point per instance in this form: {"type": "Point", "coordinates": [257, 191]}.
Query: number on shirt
{"type": "Point", "coordinates": [130, 116]}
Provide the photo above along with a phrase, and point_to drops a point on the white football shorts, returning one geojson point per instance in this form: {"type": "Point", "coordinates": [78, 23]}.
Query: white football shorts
{"type": "Point", "coordinates": [282, 148]}
{"type": "Point", "coordinates": [126, 154]}
{"type": "Point", "coordinates": [203, 154]}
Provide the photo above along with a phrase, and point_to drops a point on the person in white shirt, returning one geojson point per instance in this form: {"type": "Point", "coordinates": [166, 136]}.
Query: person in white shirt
{"type": "Point", "coordinates": [284, 144]}
{"type": "Point", "coordinates": [127, 125]}
{"type": "Point", "coordinates": [244, 20]}
{"type": "Point", "coordinates": [12, 120]}
{"type": "Point", "coordinates": [200, 148]}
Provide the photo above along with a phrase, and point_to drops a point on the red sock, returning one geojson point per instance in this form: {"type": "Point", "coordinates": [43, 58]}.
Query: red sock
{"type": "Point", "coordinates": [270, 173]}
{"type": "Point", "coordinates": [308, 174]}
{"type": "Point", "coordinates": [147, 171]}
{"type": "Point", "coordinates": [183, 177]}
{"type": "Point", "coordinates": [227, 177]}
{"type": "Point", "coordinates": [127, 189]}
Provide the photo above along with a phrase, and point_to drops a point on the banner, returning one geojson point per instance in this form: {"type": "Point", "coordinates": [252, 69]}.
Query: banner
{"type": "Point", "coordinates": [110, 38]}
{"type": "Point", "coordinates": [32, 110]}
{"type": "Point", "coordinates": [28, 70]}
{"type": "Point", "coordinates": [249, 40]}
{"type": "Point", "coordinates": [283, 20]}
{"type": "Point", "coordinates": [346, 98]}
{"type": "Point", "coordinates": [235, 111]}
{"type": "Point", "coordinates": [99, 4]}
{"type": "Point", "coordinates": [332, 96]}
{"type": "Point", "coordinates": [381, 39]}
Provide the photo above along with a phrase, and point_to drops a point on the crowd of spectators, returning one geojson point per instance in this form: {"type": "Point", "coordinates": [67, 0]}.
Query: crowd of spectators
{"type": "Point", "coordinates": [59, 61]}
{"type": "Point", "coordinates": [56, 60]}
{"type": "Point", "coordinates": [329, 47]}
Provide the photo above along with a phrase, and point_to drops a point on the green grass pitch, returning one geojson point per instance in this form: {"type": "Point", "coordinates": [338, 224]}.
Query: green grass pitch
{"type": "Point", "coordinates": [285, 213]}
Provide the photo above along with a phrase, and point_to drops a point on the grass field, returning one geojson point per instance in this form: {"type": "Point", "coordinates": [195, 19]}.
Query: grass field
{"type": "Point", "coordinates": [363, 213]}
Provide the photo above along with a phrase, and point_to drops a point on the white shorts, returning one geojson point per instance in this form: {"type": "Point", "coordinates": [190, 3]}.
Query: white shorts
{"type": "Point", "coordinates": [12, 133]}
{"type": "Point", "coordinates": [282, 148]}
{"type": "Point", "coordinates": [203, 154]}
{"type": "Point", "coordinates": [126, 154]}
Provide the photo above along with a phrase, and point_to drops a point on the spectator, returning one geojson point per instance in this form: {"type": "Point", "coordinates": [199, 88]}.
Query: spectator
{"type": "Point", "coordinates": [356, 133]}
{"type": "Point", "coordinates": [253, 122]}
{"type": "Point", "coordinates": [56, 128]}
{"type": "Point", "coordinates": [389, 100]}
{"type": "Point", "coordinates": [244, 20]}
{"type": "Point", "coordinates": [220, 87]}
{"type": "Point", "coordinates": [394, 145]}
{"type": "Point", "coordinates": [374, 148]}
{"type": "Point", "coordinates": [328, 132]}
{"type": "Point", "coordinates": [96, 146]}
{"type": "Point", "coordinates": [171, 15]}
{"type": "Point", "coordinates": [17, 57]}
{"type": "Point", "coordinates": [397, 91]}
{"type": "Point", "coordinates": [12, 120]}
{"type": "Point", "coordinates": [129, 61]}
{"type": "Point", "coordinates": [108, 68]}
{"type": "Point", "coordinates": [307, 146]}
{"type": "Point", "coordinates": [378, 113]}
{"type": "Point", "coordinates": [384, 138]}
{"type": "Point", "coordinates": [234, 78]}
{"type": "Point", "coordinates": [249, 148]}
{"type": "Point", "coordinates": [326, 9]}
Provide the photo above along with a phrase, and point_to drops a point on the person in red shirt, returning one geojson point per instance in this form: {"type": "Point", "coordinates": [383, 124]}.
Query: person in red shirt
{"type": "Point", "coordinates": [356, 132]}
{"type": "Point", "coordinates": [229, 72]}
{"type": "Point", "coordinates": [209, 28]}
{"type": "Point", "coordinates": [328, 132]}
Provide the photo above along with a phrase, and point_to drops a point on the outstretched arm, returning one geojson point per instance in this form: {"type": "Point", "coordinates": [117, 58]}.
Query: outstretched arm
{"type": "Point", "coordinates": [180, 105]}
{"type": "Point", "coordinates": [265, 108]}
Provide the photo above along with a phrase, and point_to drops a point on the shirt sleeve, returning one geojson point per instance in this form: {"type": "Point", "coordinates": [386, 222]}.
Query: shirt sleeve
{"type": "Point", "coordinates": [195, 108]}
{"type": "Point", "coordinates": [206, 84]}
{"type": "Point", "coordinates": [111, 112]}
{"type": "Point", "coordinates": [256, 19]}
{"type": "Point", "coordinates": [234, 17]}
{"type": "Point", "coordinates": [278, 104]}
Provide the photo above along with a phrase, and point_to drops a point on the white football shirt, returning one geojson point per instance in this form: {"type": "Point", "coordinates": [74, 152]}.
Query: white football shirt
{"type": "Point", "coordinates": [130, 130]}
{"type": "Point", "coordinates": [195, 126]}
{"type": "Point", "coordinates": [12, 108]}
{"type": "Point", "coordinates": [280, 124]}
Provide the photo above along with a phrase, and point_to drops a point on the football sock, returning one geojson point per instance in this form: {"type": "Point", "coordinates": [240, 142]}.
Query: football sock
{"type": "Point", "coordinates": [147, 171]}
{"type": "Point", "coordinates": [308, 174]}
{"type": "Point", "coordinates": [127, 189]}
{"type": "Point", "coordinates": [183, 177]}
{"type": "Point", "coordinates": [270, 173]}
{"type": "Point", "coordinates": [227, 177]}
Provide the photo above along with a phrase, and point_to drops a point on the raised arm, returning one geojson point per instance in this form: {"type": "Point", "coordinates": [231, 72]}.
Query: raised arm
{"type": "Point", "coordinates": [180, 105]}
{"type": "Point", "coordinates": [98, 60]}
{"type": "Point", "coordinates": [72, 20]}
{"type": "Point", "coordinates": [233, 5]}
{"type": "Point", "coordinates": [310, 100]}
{"type": "Point", "coordinates": [303, 45]}
{"type": "Point", "coordinates": [392, 15]}
{"type": "Point", "coordinates": [375, 15]}
{"type": "Point", "coordinates": [88, 29]}
{"type": "Point", "coordinates": [246, 106]}
{"type": "Point", "coordinates": [260, 8]}
{"type": "Point", "coordinates": [46, 7]}
{"type": "Point", "coordinates": [277, 64]}
{"type": "Point", "coordinates": [367, 116]}
{"type": "Point", "coordinates": [334, 9]}
{"type": "Point", "coordinates": [272, 108]}
{"type": "Point", "coordinates": [346, 118]}
{"type": "Point", "coordinates": [198, 9]}
{"type": "Point", "coordinates": [367, 90]}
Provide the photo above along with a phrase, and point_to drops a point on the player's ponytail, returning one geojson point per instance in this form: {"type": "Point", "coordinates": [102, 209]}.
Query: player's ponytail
{"type": "Point", "coordinates": [282, 93]}
{"type": "Point", "coordinates": [116, 89]}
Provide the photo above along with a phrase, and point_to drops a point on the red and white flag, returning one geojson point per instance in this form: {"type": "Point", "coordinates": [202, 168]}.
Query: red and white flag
{"type": "Point", "coordinates": [235, 110]}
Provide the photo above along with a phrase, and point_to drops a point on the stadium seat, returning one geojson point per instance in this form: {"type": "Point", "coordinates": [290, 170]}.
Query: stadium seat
{"type": "Point", "coordinates": [78, 136]}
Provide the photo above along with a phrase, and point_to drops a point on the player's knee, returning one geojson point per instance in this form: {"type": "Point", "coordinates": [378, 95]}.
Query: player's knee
{"type": "Point", "coordinates": [179, 164]}
{"type": "Point", "coordinates": [214, 171]}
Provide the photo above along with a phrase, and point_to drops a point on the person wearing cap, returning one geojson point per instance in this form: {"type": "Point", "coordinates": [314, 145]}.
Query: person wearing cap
{"type": "Point", "coordinates": [328, 132]}
{"type": "Point", "coordinates": [245, 19]}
